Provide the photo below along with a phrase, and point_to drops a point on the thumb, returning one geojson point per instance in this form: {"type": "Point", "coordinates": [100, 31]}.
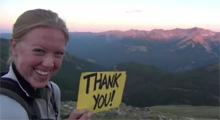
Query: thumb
{"type": "Point", "coordinates": [86, 116]}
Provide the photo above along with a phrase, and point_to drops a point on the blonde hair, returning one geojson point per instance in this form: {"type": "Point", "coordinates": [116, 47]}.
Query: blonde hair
{"type": "Point", "coordinates": [36, 18]}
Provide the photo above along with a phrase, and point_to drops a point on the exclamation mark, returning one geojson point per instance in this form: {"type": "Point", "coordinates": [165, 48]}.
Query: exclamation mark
{"type": "Point", "coordinates": [112, 97]}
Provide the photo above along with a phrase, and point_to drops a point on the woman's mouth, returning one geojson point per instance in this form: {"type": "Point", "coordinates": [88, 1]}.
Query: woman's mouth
{"type": "Point", "coordinates": [41, 72]}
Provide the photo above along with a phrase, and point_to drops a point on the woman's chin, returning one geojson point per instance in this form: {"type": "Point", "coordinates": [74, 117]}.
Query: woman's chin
{"type": "Point", "coordinates": [37, 85]}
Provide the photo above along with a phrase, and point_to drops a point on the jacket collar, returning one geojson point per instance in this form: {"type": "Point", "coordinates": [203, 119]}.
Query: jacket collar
{"type": "Point", "coordinates": [24, 85]}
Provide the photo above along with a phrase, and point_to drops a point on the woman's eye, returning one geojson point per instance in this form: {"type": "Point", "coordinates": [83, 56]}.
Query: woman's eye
{"type": "Point", "coordinates": [39, 51]}
{"type": "Point", "coordinates": [59, 54]}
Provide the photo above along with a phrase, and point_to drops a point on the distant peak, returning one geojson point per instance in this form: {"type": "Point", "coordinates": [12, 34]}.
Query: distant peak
{"type": "Point", "coordinates": [196, 34]}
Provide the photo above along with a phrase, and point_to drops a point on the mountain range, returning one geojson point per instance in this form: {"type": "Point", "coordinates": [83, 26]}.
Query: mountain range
{"type": "Point", "coordinates": [190, 36]}
{"type": "Point", "coordinates": [174, 50]}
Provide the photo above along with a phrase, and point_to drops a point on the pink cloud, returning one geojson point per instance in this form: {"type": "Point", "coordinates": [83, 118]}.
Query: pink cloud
{"type": "Point", "coordinates": [134, 11]}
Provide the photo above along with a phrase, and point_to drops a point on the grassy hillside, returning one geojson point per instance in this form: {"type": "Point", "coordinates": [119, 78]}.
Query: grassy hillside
{"type": "Point", "coordinates": [4, 48]}
{"type": "Point", "coordinates": [148, 86]}
{"type": "Point", "coordinates": [208, 112]}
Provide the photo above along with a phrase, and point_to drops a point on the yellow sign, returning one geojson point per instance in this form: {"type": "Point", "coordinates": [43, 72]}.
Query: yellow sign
{"type": "Point", "coordinates": [99, 91]}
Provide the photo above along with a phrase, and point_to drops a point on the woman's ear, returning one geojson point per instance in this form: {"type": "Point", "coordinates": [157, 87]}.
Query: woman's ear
{"type": "Point", "coordinates": [13, 47]}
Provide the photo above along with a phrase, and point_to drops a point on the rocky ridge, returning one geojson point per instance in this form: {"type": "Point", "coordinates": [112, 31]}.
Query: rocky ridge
{"type": "Point", "coordinates": [123, 112]}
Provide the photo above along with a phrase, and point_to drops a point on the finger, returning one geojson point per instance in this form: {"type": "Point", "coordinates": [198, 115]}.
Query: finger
{"type": "Point", "coordinates": [86, 116]}
{"type": "Point", "coordinates": [76, 114]}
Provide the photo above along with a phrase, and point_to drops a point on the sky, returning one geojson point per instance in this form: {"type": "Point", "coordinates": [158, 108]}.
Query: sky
{"type": "Point", "coordinates": [104, 15]}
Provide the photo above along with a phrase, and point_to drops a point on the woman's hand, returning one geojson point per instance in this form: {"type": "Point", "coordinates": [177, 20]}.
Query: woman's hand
{"type": "Point", "coordinates": [82, 114]}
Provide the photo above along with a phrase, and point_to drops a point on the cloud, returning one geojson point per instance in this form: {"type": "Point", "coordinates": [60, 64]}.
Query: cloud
{"type": "Point", "coordinates": [134, 11]}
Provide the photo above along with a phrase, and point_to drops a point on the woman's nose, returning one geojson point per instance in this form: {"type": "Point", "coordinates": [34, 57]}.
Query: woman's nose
{"type": "Point", "coordinates": [48, 62]}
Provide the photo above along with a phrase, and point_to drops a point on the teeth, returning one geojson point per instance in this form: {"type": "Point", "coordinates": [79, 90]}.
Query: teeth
{"type": "Point", "coordinates": [42, 72]}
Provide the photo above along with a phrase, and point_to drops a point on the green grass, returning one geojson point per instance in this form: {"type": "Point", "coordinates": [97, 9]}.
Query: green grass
{"type": "Point", "coordinates": [200, 112]}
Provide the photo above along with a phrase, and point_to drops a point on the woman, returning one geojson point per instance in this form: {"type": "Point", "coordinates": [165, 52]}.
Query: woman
{"type": "Point", "coordinates": [37, 49]}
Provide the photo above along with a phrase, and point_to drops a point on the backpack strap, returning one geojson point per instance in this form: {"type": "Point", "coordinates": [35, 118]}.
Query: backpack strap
{"type": "Point", "coordinates": [52, 100]}
{"type": "Point", "coordinates": [11, 89]}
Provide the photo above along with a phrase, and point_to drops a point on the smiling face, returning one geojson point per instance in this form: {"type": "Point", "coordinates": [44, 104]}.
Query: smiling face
{"type": "Point", "coordinates": [39, 55]}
